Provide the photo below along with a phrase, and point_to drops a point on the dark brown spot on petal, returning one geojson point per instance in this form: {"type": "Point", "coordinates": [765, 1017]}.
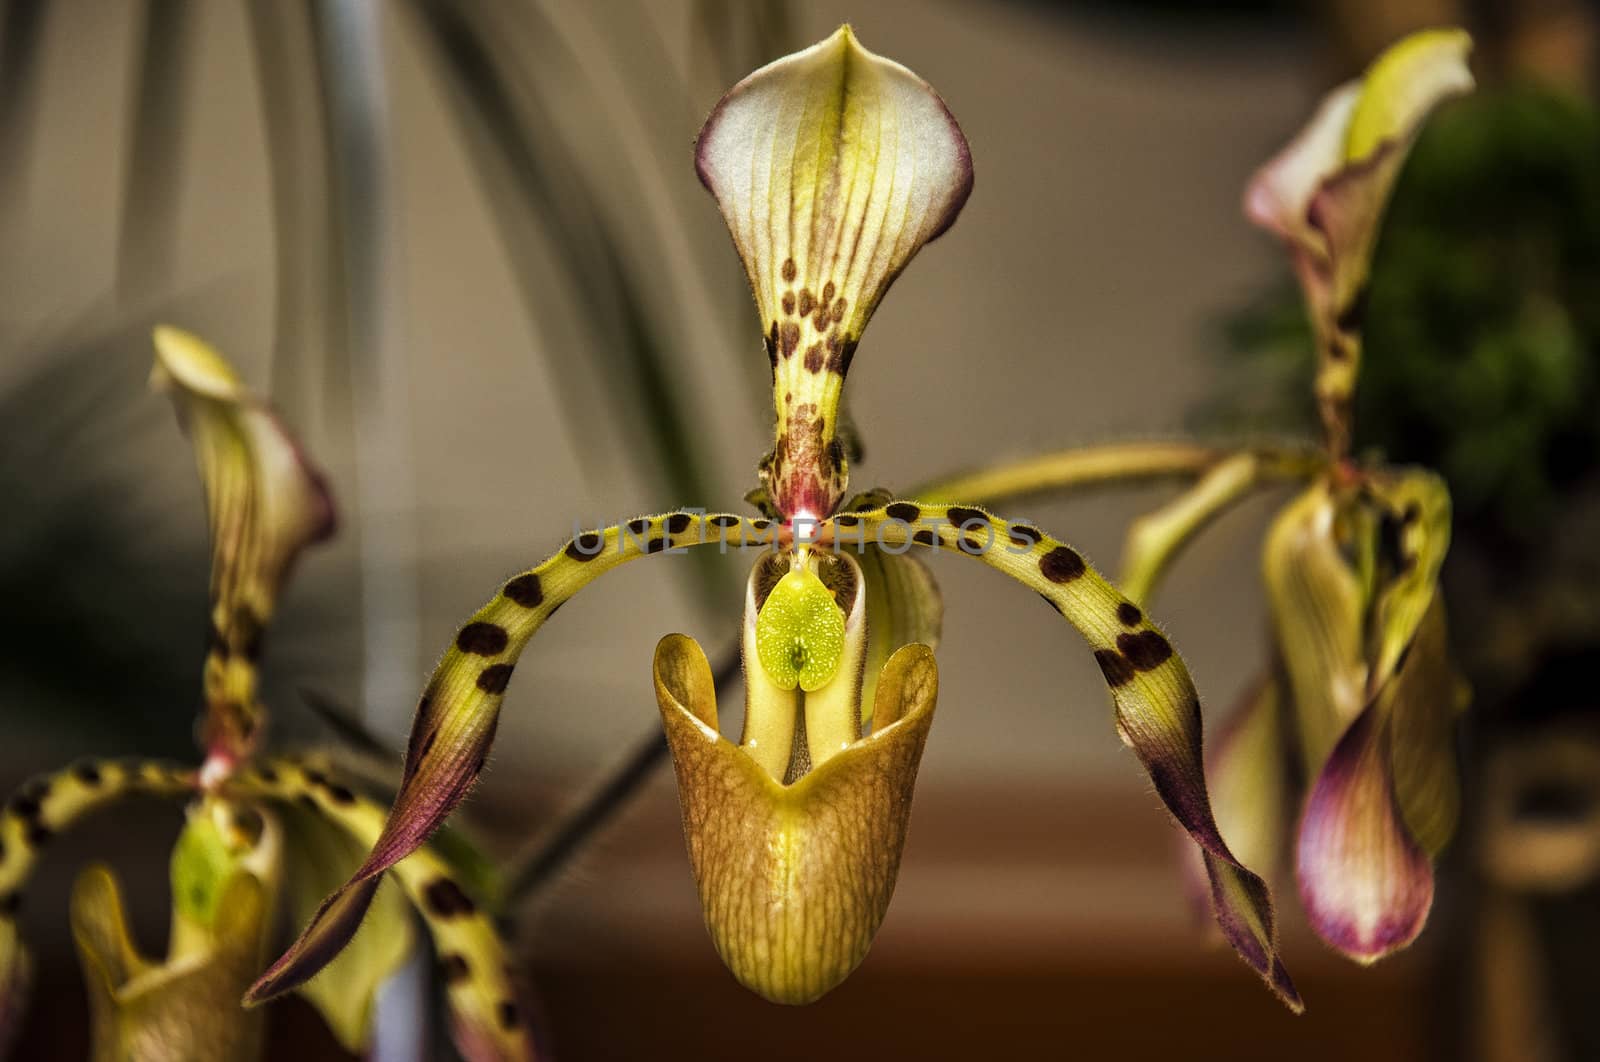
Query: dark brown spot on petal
{"type": "Point", "coordinates": [827, 292]}
{"type": "Point", "coordinates": [814, 357]}
{"type": "Point", "coordinates": [445, 899]}
{"type": "Point", "coordinates": [10, 903]}
{"type": "Point", "coordinates": [310, 803]}
{"type": "Point", "coordinates": [770, 341]}
{"type": "Point", "coordinates": [482, 639]}
{"type": "Point", "coordinates": [586, 546]}
{"type": "Point", "coordinates": [678, 523]}
{"type": "Point", "coordinates": [38, 834]}
{"type": "Point", "coordinates": [904, 511]}
{"type": "Point", "coordinates": [510, 1017]}
{"type": "Point", "coordinates": [847, 519]}
{"type": "Point", "coordinates": [1114, 666]}
{"type": "Point", "coordinates": [725, 520]}
{"type": "Point", "coordinates": [639, 526]}
{"type": "Point", "coordinates": [788, 338]}
{"type": "Point", "coordinates": [1129, 614]}
{"type": "Point", "coordinates": [525, 590]}
{"type": "Point", "coordinates": [453, 968]}
{"type": "Point", "coordinates": [808, 302]}
{"type": "Point", "coordinates": [1023, 535]}
{"type": "Point", "coordinates": [493, 679]}
{"type": "Point", "coordinates": [1146, 650]}
{"type": "Point", "coordinates": [925, 538]}
{"type": "Point", "coordinates": [788, 302]}
{"type": "Point", "coordinates": [266, 774]}
{"type": "Point", "coordinates": [838, 310]}
{"type": "Point", "coordinates": [316, 778]}
{"type": "Point", "coordinates": [87, 773]}
{"type": "Point", "coordinates": [340, 794]}
{"type": "Point", "coordinates": [840, 353]}
{"type": "Point", "coordinates": [961, 516]}
{"type": "Point", "coordinates": [656, 545]}
{"type": "Point", "coordinates": [1061, 565]}
{"type": "Point", "coordinates": [788, 270]}
{"type": "Point", "coordinates": [25, 805]}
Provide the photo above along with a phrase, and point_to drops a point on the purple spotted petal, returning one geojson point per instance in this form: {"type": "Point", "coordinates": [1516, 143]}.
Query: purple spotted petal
{"type": "Point", "coordinates": [1157, 708]}
{"type": "Point", "coordinates": [460, 709]}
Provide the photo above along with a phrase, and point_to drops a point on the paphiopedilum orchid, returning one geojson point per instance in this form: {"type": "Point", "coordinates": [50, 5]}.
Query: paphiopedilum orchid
{"type": "Point", "coordinates": [260, 829]}
{"type": "Point", "coordinates": [832, 168]}
{"type": "Point", "coordinates": [1360, 699]}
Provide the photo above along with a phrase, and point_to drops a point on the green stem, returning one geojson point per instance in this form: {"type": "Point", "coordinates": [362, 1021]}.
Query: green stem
{"type": "Point", "coordinates": [1112, 464]}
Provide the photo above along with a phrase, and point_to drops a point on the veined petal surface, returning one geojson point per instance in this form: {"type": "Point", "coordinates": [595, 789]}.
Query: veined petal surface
{"type": "Point", "coordinates": [832, 167]}
{"type": "Point", "coordinates": [794, 879]}
{"type": "Point", "coordinates": [264, 504]}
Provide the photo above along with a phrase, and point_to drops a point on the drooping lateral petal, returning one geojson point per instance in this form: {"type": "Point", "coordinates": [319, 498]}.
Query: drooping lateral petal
{"type": "Point", "coordinates": [1326, 192]}
{"type": "Point", "coordinates": [37, 812]}
{"type": "Point", "coordinates": [1157, 708]}
{"type": "Point", "coordinates": [489, 1021]}
{"type": "Point", "coordinates": [1251, 792]}
{"type": "Point", "coordinates": [1365, 882]}
{"type": "Point", "coordinates": [455, 721]}
{"type": "Point", "coordinates": [223, 881]}
{"type": "Point", "coordinates": [794, 879]}
{"type": "Point", "coordinates": [264, 504]}
{"type": "Point", "coordinates": [1155, 539]}
{"type": "Point", "coordinates": [1415, 536]}
{"type": "Point", "coordinates": [832, 167]}
{"type": "Point", "coordinates": [1319, 603]}
{"type": "Point", "coordinates": [346, 990]}
{"type": "Point", "coordinates": [904, 606]}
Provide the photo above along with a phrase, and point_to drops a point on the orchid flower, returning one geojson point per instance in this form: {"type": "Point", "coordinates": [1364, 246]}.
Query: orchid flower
{"type": "Point", "coordinates": [832, 167]}
{"type": "Point", "coordinates": [1360, 698]}
{"type": "Point", "coordinates": [260, 829]}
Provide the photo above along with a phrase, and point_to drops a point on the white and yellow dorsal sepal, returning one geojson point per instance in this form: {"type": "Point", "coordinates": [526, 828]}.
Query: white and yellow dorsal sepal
{"type": "Point", "coordinates": [832, 167]}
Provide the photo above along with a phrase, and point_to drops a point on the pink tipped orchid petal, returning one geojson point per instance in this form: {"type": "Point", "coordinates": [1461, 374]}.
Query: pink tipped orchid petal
{"type": "Point", "coordinates": [1325, 194]}
{"type": "Point", "coordinates": [1366, 883]}
{"type": "Point", "coordinates": [264, 503]}
{"type": "Point", "coordinates": [832, 167]}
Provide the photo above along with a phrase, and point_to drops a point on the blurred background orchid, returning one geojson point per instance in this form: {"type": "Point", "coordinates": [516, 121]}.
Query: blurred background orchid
{"type": "Point", "coordinates": [257, 827]}
{"type": "Point", "coordinates": [458, 243]}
